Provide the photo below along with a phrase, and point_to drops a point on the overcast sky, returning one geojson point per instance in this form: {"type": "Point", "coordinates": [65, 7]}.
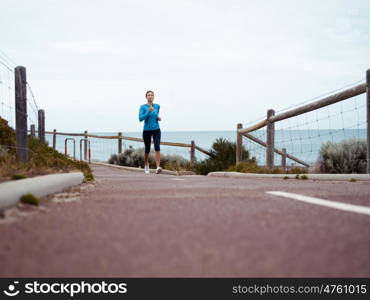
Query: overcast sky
{"type": "Point", "coordinates": [211, 64]}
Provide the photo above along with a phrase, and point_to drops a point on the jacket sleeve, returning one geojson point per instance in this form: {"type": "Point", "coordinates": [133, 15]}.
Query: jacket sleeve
{"type": "Point", "coordinates": [143, 113]}
{"type": "Point", "coordinates": [158, 108]}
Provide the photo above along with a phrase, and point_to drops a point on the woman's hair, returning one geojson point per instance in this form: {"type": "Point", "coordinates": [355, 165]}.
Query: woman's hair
{"type": "Point", "coordinates": [148, 92]}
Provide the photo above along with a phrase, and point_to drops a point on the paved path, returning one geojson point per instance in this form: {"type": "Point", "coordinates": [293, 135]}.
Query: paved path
{"type": "Point", "coordinates": [132, 224]}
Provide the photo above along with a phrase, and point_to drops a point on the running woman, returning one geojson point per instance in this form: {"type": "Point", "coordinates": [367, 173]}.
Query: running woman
{"type": "Point", "coordinates": [149, 112]}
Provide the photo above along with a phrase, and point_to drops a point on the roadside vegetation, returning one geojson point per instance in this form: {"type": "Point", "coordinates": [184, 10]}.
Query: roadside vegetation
{"type": "Point", "coordinates": [42, 158]}
{"type": "Point", "coordinates": [134, 157]}
{"type": "Point", "coordinates": [223, 159]}
{"type": "Point", "coordinates": [347, 156]}
{"type": "Point", "coordinates": [252, 167]}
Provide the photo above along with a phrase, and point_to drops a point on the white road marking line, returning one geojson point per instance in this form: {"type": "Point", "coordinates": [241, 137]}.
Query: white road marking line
{"type": "Point", "coordinates": [333, 204]}
{"type": "Point", "coordinates": [177, 179]}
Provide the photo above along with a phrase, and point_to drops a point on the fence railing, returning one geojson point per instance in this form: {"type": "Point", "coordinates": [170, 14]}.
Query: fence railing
{"type": "Point", "coordinates": [119, 137]}
{"type": "Point", "coordinates": [272, 119]}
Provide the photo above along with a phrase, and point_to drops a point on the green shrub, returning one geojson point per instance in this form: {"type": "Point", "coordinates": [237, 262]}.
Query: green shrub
{"type": "Point", "coordinates": [7, 137]}
{"type": "Point", "coordinates": [30, 199]}
{"type": "Point", "coordinates": [223, 156]}
{"type": "Point", "coordinates": [132, 157]}
{"type": "Point", "coordinates": [347, 156]}
{"type": "Point", "coordinates": [18, 176]}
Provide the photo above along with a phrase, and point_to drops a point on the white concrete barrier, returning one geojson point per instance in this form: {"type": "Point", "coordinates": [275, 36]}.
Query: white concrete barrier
{"type": "Point", "coordinates": [40, 186]}
{"type": "Point", "coordinates": [365, 177]}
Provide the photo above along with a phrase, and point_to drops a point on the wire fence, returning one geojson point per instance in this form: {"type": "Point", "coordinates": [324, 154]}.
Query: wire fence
{"type": "Point", "coordinates": [300, 130]}
{"type": "Point", "coordinates": [10, 111]}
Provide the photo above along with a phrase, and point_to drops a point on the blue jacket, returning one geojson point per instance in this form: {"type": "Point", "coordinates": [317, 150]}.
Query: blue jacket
{"type": "Point", "coordinates": [150, 117]}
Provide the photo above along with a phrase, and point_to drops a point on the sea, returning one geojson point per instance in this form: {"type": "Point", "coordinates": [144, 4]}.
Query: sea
{"type": "Point", "coordinates": [303, 144]}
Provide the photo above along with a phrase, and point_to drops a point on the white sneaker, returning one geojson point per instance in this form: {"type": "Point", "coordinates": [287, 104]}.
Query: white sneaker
{"type": "Point", "coordinates": [159, 170]}
{"type": "Point", "coordinates": [146, 169]}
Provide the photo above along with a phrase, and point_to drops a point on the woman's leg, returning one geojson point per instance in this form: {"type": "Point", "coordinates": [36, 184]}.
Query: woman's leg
{"type": "Point", "coordinates": [146, 155]}
{"type": "Point", "coordinates": [158, 158]}
{"type": "Point", "coordinates": [157, 140]}
{"type": "Point", "coordinates": [147, 140]}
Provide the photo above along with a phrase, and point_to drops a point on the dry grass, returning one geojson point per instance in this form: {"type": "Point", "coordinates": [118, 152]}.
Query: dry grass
{"type": "Point", "coordinates": [252, 167]}
{"type": "Point", "coordinates": [42, 159]}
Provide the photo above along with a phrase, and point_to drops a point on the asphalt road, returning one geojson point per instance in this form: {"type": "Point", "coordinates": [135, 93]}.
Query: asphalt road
{"type": "Point", "coordinates": [147, 225]}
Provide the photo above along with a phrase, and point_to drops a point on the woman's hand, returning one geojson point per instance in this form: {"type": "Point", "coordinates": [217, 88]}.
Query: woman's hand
{"type": "Point", "coordinates": [159, 119]}
{"type": "Point", "coordinates": [151, 108]}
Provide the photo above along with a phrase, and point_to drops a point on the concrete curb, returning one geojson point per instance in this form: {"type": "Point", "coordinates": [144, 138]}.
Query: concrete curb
{"type": "Point", "coordinates": [176, 173]}
{"type": "Point", "coordinates": [40, 186]}
{"type": "Point", "coordinates": [345, 177]}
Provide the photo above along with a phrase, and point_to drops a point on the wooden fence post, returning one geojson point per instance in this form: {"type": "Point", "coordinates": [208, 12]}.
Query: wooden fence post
{"type": "Point", "coordinates": [192, 153]}
{"type": "Point", "coordinates": [85, 146]}
{"type": "Point", "coordinates": [368, 120]}
{"type": "Point", "coordinates": [270, 140]}
{"type": "Point", "coordinates": [120, 143]}
{"type": "Point", "coordinates": [33, 130]}
{"type": "Point", "coordinates": [239, 143]}
{"type": "Point", "coordinates": [54, 139]}
{"type": "Point", "coordinates": [21, 112]}
{"type": "Point", "coordinates": [41, 121]}
{"type": "Point", "coordinates": [283, 158]}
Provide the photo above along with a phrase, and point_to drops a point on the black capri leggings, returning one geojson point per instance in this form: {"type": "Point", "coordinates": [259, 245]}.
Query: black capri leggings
{"type": "Point", "coordinates": [147, 134]}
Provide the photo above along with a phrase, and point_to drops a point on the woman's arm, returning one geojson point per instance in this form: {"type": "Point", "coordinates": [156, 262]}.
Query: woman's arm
{"type": "Point", "coordinates": [158, 118]}
{"type": "Point", "coordinates": [143, 113]}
